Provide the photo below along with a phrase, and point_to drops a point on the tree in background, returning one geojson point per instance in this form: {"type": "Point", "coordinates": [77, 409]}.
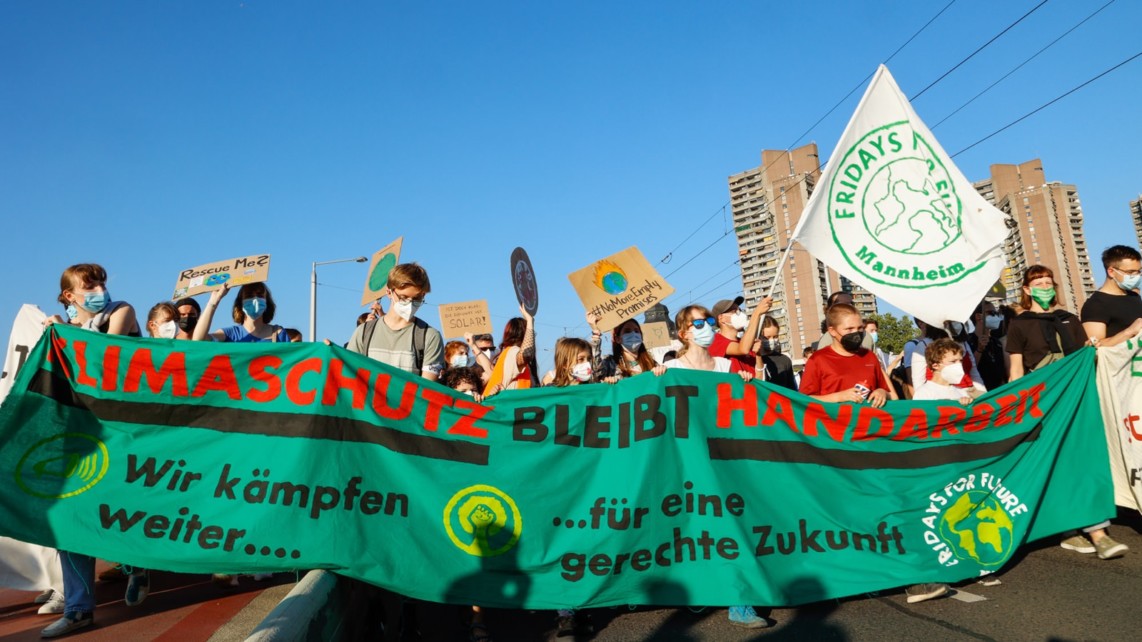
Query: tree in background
{"type": "Point", "coordinates": [893, 333]}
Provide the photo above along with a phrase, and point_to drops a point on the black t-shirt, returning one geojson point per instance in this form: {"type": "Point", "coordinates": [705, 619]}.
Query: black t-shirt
{"type": "Point", "coordinates": [1028, 335]}
{"type": "Point", "coordinates": [1117, 312]}
{"type": "Point", "coordinates": [779, 370]}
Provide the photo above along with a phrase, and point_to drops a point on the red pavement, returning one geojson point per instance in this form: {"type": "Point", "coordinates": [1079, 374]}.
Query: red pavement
{"type": "Point", "coordinates": [180, 607]}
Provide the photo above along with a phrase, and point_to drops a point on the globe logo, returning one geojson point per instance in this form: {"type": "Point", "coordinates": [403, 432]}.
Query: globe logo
{"type": "Point", "coordinates": [908, 218]}
{"type": "Point", "coordinates": [978, 529]}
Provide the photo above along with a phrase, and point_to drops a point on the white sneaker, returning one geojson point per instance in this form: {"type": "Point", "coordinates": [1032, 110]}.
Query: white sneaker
{"type": "Point", "coordinates": [54, 605]}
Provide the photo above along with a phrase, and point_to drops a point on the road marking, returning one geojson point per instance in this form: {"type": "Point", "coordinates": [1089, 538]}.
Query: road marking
{"type": "Point", "coordinates": [964, 596]}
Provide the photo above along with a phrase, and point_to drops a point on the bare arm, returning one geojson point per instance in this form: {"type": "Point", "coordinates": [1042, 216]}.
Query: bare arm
{"type": "Point", "coordinates": [123, 320]}
{"type": "Point", "coordinates": [742, 346]}
{"type": "Point", "coordinates": [207, 316]}
{"type": "Point", "coordinates": [1016, 369]}
{"type": "Point", "coordinates": [1096, 331]}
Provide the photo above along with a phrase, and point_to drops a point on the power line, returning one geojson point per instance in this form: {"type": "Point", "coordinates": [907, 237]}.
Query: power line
{"type": "Point", "coordinates": [1020, 66]}
{"type": "Point", "coordinates": [1047, 104]}
{"type": "Point", "coordinates": [670, 254]}
{"type": "Point", "coordinates": [979, 49]}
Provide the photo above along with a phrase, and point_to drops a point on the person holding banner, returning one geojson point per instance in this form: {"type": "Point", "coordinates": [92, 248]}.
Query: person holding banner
{"type": "Point", "coordinates": [844, 370]}
{"type": "Point", "coordinates": [1113, 313]}
{"type": "Point", "coordinates": [253, 311]}
{"type": "Point", "coordinates": [83, 292]}
{"type": "Point", "coordinates": [513, 369]}
{"type": "Point", "coordinates": [399, 337]}
{"type": "Point", "coordinates": [188, 313]}
{"type": "Point", "coordinates": [572, 364]}
{"type": "Point", "coordinates": [163, 322]}
{"type": "Point", "coordinates": [629, 355]}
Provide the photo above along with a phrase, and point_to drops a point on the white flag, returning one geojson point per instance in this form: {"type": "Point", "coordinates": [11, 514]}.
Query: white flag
{"type": "Point", "coordinates": [894, 215]}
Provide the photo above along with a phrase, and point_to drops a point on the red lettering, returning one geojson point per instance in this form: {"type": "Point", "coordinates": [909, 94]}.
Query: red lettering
{"type": "Point", "coordinates": [142, 365]}
{"type": "Point", "coordinates": [260, 369]}
{"type": "Point", "coordinates": [865, 417]}
{"type": "Point", "coordinates": [336, 381]}
{"type": "Point", "coordinates": [381, 398]}
{"type": "Point", "coordinates": [56, 355]}
{"type": "Point", "coordinates": [1007, 408]}
{"type": "Point", "coordinates": [779, 408]}
{"type": "Point", "coordinates": [466, 426]}
{"type": "Point", "coordinates": [949, 417]}
{"type": "Point", "coordinates": [980, 417]}
{"type": "Point", "coordinates": [727, 405]}
{"type": "Point", "coordinates": [436, 401]}
{"type": "Point", "coordinates": [111, 368]}
{"type": "Point", "coordinates": [915, 425]}
{"type": "Point", "coordinates": [816, 414]}
{"type": "Point", "coordinates": [81, 376]}
{"type": "Point", "coordinates": [1029, 402]}
{"type": "Point", "coordinates": [293, 381]}
{"type": "Point", "coordinates": [218, 376]}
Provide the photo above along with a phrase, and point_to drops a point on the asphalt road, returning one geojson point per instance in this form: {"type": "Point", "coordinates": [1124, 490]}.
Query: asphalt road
{"type": "Point", "coordinates": [1047, 594]}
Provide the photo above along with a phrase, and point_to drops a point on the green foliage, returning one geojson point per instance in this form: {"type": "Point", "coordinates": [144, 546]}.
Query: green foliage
{"type": "Point", "coordinates": [893, 333]}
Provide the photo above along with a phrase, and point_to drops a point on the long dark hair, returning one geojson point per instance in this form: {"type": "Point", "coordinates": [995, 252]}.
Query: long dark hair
{"type": "Point", "coordinates": [645, 361]}
{"type": "Point", "coordinates": [513, 333]}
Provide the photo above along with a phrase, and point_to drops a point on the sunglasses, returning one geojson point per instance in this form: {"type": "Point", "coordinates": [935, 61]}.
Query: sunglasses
{"type": "Point", "coordinates": [710, 321]}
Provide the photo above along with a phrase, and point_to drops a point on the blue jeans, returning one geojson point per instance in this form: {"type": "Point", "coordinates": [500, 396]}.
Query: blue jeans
{"type": "Point", "coordinates": [78, 582]}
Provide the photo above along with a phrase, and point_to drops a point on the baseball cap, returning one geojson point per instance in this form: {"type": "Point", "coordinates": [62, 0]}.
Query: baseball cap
{"type": "Point", "coordinates": [725, 304]}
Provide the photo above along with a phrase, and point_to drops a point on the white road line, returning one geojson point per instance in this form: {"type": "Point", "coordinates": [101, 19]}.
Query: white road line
{"type": "Point", "coordinates": [964, 596]}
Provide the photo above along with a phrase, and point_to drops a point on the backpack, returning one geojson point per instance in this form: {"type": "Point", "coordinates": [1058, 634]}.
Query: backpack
{"type": "Point", "coordinates": [419, 331]}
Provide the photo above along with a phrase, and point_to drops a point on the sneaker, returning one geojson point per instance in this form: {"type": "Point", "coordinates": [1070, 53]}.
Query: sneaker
{"type": "Point", "coordinates": [113, 574]}
{"type": "Point", "coordinates": [1110, 549]}
{"type": "Point", "coordinates": [747, 618]}
{"type": "Point", "coordinates": [54, 605]}
{"type": "Point", "coordinates": [1078, 544]}
{"type": "Point", "coordinates": [990, 580]}
{"type": "Point", "coordinates": [44, 597]}
{"type": "Point", "coordinates": [138, 587]}
{"type": "Point", "coordinates": [921, 592]}
{"type": "Point", "coordinates": [68, 623]}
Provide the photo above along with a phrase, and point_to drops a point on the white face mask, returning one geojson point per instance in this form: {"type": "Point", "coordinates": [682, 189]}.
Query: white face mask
{"type": "Point", "coordinates": [168, 330]}
{"type": "Point", "coordinates": [739, 320]}
{"type": "Point", "coordinates": [953, 373]}
{"type": "Point", "coordinates": [582, 372]}
{"type": "Point", "coordinates": [407, 309]}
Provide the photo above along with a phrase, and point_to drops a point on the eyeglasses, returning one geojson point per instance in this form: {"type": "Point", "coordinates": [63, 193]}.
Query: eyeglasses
{"type": "Point", "coordinates": [1125, 273]}
{"type": "Point", "coordinates": [406, 299]}
{"type": "Point", "coordinates": [710, 321]}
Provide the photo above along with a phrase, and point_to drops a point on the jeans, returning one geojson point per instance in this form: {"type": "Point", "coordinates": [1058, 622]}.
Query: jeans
{"type": "Point", "coordinates": [78, 582]}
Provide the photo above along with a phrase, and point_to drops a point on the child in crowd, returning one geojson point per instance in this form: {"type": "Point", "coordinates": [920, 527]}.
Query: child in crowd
{"type": "Point", "coordinates": [572, 363]}
{"type": "Point", "coordinates": [945, 362]}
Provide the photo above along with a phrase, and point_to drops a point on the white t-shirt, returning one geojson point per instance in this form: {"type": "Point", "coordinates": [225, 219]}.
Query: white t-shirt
{"type": "Point", "coordinates": [931, 390]}
{"type": "Point", "coordinates": [721, 364]}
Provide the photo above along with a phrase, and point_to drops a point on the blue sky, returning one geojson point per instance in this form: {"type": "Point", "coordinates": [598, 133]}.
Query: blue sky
{"type": "Point", "coordinates": [153, 136]}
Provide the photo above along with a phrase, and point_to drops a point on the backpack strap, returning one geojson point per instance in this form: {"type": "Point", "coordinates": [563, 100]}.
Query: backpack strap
{"type": "Point", "coordinates": [367, 335]}
{"type": "Point", "coordinates": [419, 332]}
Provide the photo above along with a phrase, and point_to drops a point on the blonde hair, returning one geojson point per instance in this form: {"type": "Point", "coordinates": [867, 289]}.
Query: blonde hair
{"type": "Point", "coordinates": [406, 274]}
{"type": "Point", "coordinates": [567, 351]}
{"type": "Point", "coordinates": [683, 320]}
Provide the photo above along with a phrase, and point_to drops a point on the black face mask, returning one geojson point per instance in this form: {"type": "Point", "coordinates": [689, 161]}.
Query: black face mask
{"type": "Point", "coordinates": [186, 324]}
{"type": "Point", "coordinates": [851, 341]}
{"type": "Point", "coordinates": [770, 346]}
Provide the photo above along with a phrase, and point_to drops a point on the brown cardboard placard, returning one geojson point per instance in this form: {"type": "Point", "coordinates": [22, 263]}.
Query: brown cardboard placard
{"type": "Point", "coordinates": [656, 335]}
{"type": "Point", "coordinates": [619, 287]}
{"type": "Point", "coordinates": [384, 260]}
{"type": "Point", "coordinates": [233, 272]}
{"type": "Point", "coordinates": [468, 316]}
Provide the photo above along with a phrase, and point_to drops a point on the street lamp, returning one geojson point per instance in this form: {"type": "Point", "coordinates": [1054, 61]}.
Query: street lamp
{"type": "Point", "coordinates": [313, 292]}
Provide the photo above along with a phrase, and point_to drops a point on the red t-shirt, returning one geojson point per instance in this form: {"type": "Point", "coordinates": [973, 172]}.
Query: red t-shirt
{"type": "Point", "coordinates": [827, 372]}
{"type": "Point", "coordinates": [718, 349]}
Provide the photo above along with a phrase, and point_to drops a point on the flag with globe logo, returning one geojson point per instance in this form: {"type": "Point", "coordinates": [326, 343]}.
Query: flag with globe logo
{"type": "Point", "coordinates": [894, 215]}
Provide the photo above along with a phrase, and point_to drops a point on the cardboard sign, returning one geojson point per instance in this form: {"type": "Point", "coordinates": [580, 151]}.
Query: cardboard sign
{"type": "Point", "coordinates": [232, 272]}
{"type": "Point", "coordinates": [523, 279]}
{"type": "Point", "coordinates": [469, 316]}
{"type": "Point", "coordinates": [656, 335]}
{"type": "Point", "coordinates": [384, 260]}
{"type": "Point", "coordinates": [619, 287]}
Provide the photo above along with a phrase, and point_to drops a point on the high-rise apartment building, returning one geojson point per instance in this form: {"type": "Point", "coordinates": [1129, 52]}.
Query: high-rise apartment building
{"type": "Point", "coordinates": [1136, 214]}
{"type": "Point", "coordinates": [1046, 229]}
{"type": "Point", "coordinates": [767, 202]}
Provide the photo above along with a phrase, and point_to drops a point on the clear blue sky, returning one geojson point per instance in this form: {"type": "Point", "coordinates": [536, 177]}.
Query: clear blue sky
{"type": "Point", "coordinates": [152, 136]}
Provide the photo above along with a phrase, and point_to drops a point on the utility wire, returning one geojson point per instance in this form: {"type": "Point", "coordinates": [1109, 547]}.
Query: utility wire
{"type": "Point", "coordinates": [1020, 66]}
{"type": "Point", "coordinates": [1047, 104]}
{"type": "Point", "coordinates": [979, 49]}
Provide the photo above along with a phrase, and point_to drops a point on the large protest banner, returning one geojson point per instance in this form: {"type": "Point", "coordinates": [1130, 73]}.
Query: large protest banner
{"type": "Point", "coordinates": [689, 488]}
{"type": "Point", "coordinates": [24, 566]}
{"type": "Point", "coordinates": [1120, 390]}
{"type": "Point", "coordinates": [893, 214]}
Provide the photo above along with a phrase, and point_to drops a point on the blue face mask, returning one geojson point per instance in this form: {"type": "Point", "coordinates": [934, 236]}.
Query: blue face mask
{"type": "Point", "coordinates": [1129, 281]}
{"type": "Point", "coordinates": [703, 336]}
{"type": "Point", "coordinates": [95, 301]}
{"type": "Point", "coordinates": [255, 307]}
{"type": "Point", "coordinates": [72, 312]}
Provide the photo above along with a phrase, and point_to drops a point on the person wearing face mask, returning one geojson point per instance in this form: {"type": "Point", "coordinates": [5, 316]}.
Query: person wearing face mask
{"type": "Point", "coordinates": [778, 367]}
{"type": "Point", "coordinates": [629, 355]}
{"type": "Point", "coordinates": [1043, 332]}
{"type": "Point", "coordinates": [986, 345]}
{"type": "Point", "coordinates": [844, 370]}
{"type": "Point", "coordinates": [872, 331]}
{"type": "Point", "coordinates": [188, 313]}
{"type": "Point", "coordinates": [737, 332]}
{"type": "Point", "coordinates": [399, 337]}
{"type": "Point", "coordinates": [945, 359]}
{"type": "Point", "coordinates": [457, 354]}
{"type": "Point", "coordinates": [573, 364]}
{"type": "Point", "coordinates": [87, 304]}
{"type": "Point", "coordinates": [163, 322]}
{"type": "Point", "coordinates": [1113, 313]}
{"type": "Point", "coordinates": [253, 310]}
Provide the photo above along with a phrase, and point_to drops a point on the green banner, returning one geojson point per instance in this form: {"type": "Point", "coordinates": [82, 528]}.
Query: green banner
{"type": "Point", "coordinates": [690, 488]}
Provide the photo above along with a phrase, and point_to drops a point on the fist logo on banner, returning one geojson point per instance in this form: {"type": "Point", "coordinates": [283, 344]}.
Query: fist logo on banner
{"type": "Point", "coordinates": [483, 521]}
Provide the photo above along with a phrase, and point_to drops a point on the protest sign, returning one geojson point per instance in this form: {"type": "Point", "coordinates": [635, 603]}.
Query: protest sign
{"type": "Point", "coordinates": [619, 287]}
{"type": "Point", "coordinates": [469, 316]}
{"type": "Point", "coordinates": [655, 335]}
{"type": "Point", "coordinates": [523, 280]}
{"type": "Point", "coordinates": [384, 260]}
{"type": "Point", "coordinates": [894, 215]}
{"type": "Point", "coordinates": [23, 566]}
{"type": "Point", "coordinates": [231, 272]}
{"type": "Point", "coordinates": [197, 457]}
{"type": "Point", "coordinates": [1120, 391]}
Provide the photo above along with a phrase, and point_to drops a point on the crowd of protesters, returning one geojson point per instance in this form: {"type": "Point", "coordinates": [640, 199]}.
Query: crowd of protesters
{"type": "Point", "coordinates": [957, 361]}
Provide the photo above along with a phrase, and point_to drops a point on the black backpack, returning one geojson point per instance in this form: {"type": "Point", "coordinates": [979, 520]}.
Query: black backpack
{"type": "Point", "coordinates": [419, 331]}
